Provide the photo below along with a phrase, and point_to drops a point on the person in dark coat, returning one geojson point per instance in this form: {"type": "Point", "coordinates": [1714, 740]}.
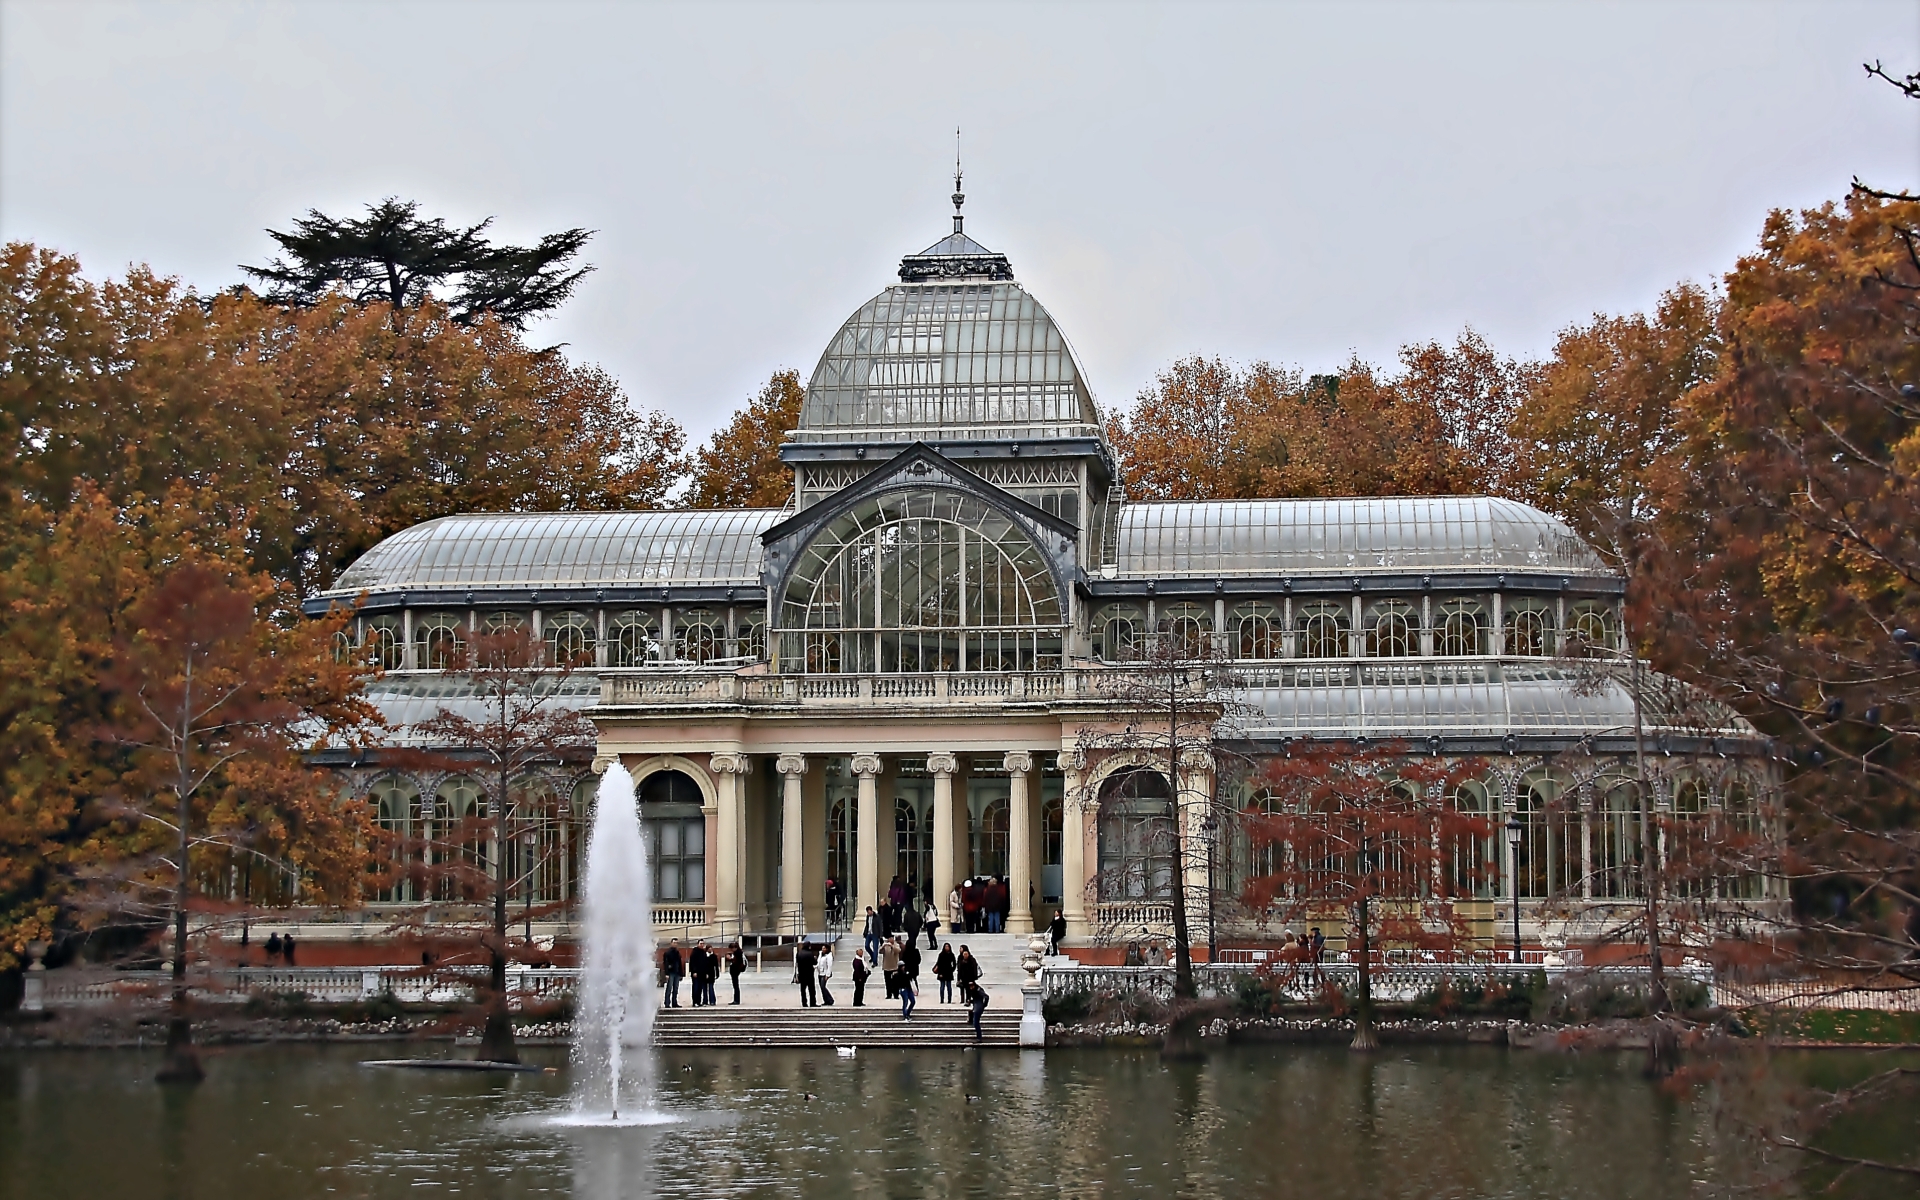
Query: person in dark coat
{"type": "Point", "coordinates": [872, 932]}
{"type": "Point", "coordinates": [286, 949]}
{"type": "Point", "coordinates": [968, 970]}
{"type": "Point", "coordinates": [804, 965]}
{"type": "Point", "coordinates": [1057, 931]}
{"type": "Point", "coordinates": [910, 964]}
{"type": "Point", "coordinates": [976, 1006]}
{"type": "Point", "coordinates": [860, 973]}
{"type": "Point", "coordinates": [932, 926]}
{"type": "Point", "coordinates": [970, 906]}
{"type": "Point", "coordinates": [697, 973]}
{"type": "Point", "coordinates": [273, 948]}
{"type": "Point", "coordinates": [943, 971]}
{"type": "Point", "coordinates": [672, 967]}
{"type": "Point", "coordinates": [910, 920]}
{"type": "Point", "coordinates": [736, 965]}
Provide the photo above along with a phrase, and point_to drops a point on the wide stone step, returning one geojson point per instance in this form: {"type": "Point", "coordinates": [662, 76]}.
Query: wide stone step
{"type": "Point", "coordinates": [820, 1027]}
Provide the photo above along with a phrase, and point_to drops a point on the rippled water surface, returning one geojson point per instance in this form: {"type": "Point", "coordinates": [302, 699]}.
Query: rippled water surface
{"type": "Point", "coordinates": [282, 1123]}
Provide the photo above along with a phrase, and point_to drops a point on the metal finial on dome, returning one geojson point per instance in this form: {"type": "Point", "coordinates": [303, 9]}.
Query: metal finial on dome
{"type": "Point", "coordinates": [959, 197]}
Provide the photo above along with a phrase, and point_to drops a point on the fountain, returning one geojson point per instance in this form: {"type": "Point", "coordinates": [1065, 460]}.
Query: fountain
{"type": "Point", "coordinates": [614, 1001]}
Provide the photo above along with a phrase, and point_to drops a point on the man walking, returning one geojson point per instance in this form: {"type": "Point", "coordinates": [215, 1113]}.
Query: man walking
{"type": "Point", "coordinates": [943, 971]}
{"type": "Point", "coordinates": [736, 965]}
{"type": "Point", "coordinates": [672, 966]}
{"type": "Point", "coordinates": [890, 966]}
{"type": "Point", "coordinates": [933, 924]}
{"type": "Point", "coordinates": [824, 966]}
{"type": "Point", "coordinates": [910, 919]}
{"type": "Point", "coordinates": [872, 932]}
{"type": "Point", "coordinates": [910, 964]}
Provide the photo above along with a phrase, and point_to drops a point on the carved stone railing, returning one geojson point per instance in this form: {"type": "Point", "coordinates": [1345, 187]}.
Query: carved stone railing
{"type": "Point", "coordinates": [643, 688]}
{"type": "Point", "coordinates": [1304, 982]}
{"type": "Point", "coordinates": [325, 985]}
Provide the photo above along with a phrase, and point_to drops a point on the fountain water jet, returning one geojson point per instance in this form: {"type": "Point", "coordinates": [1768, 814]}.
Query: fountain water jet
{"type": "Point", "coordinates": [614, 1001]}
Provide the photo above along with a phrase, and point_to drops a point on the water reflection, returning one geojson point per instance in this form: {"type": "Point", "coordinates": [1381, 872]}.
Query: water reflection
{"type": "Point", "coordinates": [1280, 1122]}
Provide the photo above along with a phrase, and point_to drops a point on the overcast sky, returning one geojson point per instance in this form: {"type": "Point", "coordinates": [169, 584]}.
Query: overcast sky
{"type": "Point", "coordinates": [1292, 182]}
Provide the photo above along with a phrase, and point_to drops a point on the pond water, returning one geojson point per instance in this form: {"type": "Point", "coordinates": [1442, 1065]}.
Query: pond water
{"type": "Point", "coordinates": [1281, 1121]}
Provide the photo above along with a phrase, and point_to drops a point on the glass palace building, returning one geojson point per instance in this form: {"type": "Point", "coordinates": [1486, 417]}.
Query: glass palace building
{"type": "Point", "coordinates": [900, 673]}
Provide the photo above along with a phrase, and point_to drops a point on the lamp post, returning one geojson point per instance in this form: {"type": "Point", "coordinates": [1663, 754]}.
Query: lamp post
{"type": "Point", "coordinates": [1210, 826]}
{"type": "Point", "coordinates": [1514, 830]}
{"type": "Point", "coordinates": [530, 840]}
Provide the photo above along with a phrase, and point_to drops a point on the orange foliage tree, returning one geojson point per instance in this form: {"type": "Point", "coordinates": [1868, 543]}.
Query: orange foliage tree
{"type": "Point", "coordinates": [740, 465]}
{"type": "Point", "coordinates": [1373, 837]}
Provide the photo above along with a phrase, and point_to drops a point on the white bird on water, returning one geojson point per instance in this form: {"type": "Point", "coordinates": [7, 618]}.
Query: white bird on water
{"type": "Point", "coordinates": [846, 1051]}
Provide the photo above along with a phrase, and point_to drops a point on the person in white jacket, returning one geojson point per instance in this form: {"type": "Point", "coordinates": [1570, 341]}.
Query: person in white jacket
{"type": "Point", "coordinates": [825, 971]}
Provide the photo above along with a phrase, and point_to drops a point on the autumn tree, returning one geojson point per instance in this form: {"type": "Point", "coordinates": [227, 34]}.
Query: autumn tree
{"type": "Point", "coordinates": [397, 258]}
{"type": "Point", "coordinates": [1604, 409]}
{"type": "Point", "coordinates": [740, 465]}
{"type": "Point", "coordinates": [513, 720]}
{"type": "Point", "coordinates": [1374, 838]}
{"type": "Point", "coordinates": [1476, 394]}
{"type": "Point", "coordinates": [217, 693]}
{"type": "Point", "coordinates": [1204, 430]}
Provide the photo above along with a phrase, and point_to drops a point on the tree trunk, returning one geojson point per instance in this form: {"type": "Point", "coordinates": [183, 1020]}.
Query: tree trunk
{"type": "Point", "coordinates": [1663, 1046]}
{"type": "Point", "coordinates": [496, 1039]}
{"type": "Point", "coordinates": [182, 1063]}
{"type": "Point", "coordinates": [1363, 1037]}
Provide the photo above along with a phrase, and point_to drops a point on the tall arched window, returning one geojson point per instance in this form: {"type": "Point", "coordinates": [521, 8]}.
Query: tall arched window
{"type": "Point", "coordinates": [1547, 860]}
{"type": "Point", "coordinates": [633, 639]}
{"type": "Point", "coordinates": [921, 581]}
{"type": "Point", "coordinates": [990, 839]}
{"type": "Point", "coordinates": [460, 821]}
{"type": "Point", "coordinates": [1187, 629]}
{"type": "Point", "coordinates": [1323, 629]}
{"type": "Point", "coordinates": [676, 832]}
{"type": "Point", "coordinates": [1616, 839]}
{"type": "Point", "coordinates": [437, 639]}
{"type": "Point", "coordinates": [752, 629]}
{"type": "Point", "coordinates": [1474, 872]}
{"type": "Point", "coordinates": [1116, 633]}
{"type": "Point", "coordinates": [570, 639]}
{"type": "Point", "coordinates": [1393, 630]}
{"type": "Point", "coordinates": [1591, 629]}
{"type": "Point", "coordinates": [1136, 836]}
{"type": "Point", "coordinates": [1052, 844]}
{"type": "Point", "coordinates": [1529, 629]}
{"type": "Point", "coordinates": [395, 802]}
{"type": "Point", "coordinates": [698, 635]}
{"type": "Point", "coordinates": [383, 643]}
{"type": "Point", "coordinates": [1258, 630]}
{"type": "Point", "coordinates": [912, 839]}
{"type": "Point", "coordinates": [841, 841]}
{"type": "Point", "coordinates": [1461, 629]}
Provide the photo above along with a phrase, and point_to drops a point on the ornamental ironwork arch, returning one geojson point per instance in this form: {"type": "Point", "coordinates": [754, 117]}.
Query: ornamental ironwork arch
{"type": "Point", "coordinates": [919, 581]}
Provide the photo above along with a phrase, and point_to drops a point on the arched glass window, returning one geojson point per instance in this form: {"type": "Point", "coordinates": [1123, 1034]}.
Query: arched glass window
{"type": "Point", "coordinates": [1052, 844]}
{"type": "Point", "coordinates": [570, 638]}
{"type": "Point", "coordinates": [1323, 629]}
{"type": "Point", "coordinates": [383, 643]}
{"type": "Point", "coordinates": [533, 853]}
{"type": "Point", "coordinates": [841, 841]}
{"type": "Point", "coordinates": [460, 821]}
{"type": "Point", "coordinates": [1187, 629]}
{"type": "Point", "coordinates": [1529, 629]}
{"type": "Point", "coordinates": [1616, 839]}
{"type": "Point", "coordinates": [752, 628]}
{"type": "Point", "coordinates": [1461, 629]}
{"type": "Point", "coordinates": [1547, 860]}
{"type": "Point", "coordinates": [698, 634]}
{"type": "Point", "coordinates": [633, 639]}
{"type": "Point", "coordinates": [1116, 633]}
{"type": "Point", "coordinates": [676, 832]}
{"type": "Point", "coordinates": [1591, 629]}
{"type": "Point", "coordinates": [1257, 628]}
{"type": "Point", "coordinates": [1475, 867]}
{"type": "Point", "coordinates": [437, 639]}
{"type": "Point", "coordinates": [501, 622]}
{"type": "Point", "coordinates": [990, 840]}
{"type": "Point", "coordinates": [912, 840]}
{"type": "Point", "coordinates": [1743, 841]}
{"type": "Point", "coordinates": [921, 581]}
{"type": "Point", "coordinates": [1136, 836]}
{"type": "Point", "coordinates": [395, 804]}
{"type": "Point", "coordinates": [1393, 630]}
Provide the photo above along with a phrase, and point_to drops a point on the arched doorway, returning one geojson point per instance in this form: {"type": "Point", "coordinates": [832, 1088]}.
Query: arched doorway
{"type": "Point", "coordinates": [1136, 836]}
{"type": "Point", "coordinates": [676, 832]}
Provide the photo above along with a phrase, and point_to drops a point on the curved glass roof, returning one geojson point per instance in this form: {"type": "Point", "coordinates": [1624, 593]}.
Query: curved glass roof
{"type": "Point", "coordinates": [1454, 700]}
{"type": "Point", "coordinates": [1170, 539]}
{"type": "Point", "coordinates": [948, 361]}
{"type": "Point", "coordinates": [493, 550]}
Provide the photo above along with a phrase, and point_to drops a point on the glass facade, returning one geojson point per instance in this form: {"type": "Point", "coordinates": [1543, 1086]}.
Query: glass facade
{"type": "Point", "coordinates": [930, 581]}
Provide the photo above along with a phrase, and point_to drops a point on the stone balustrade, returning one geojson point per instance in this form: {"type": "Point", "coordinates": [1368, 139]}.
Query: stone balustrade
{"type": "Point", "coordinates": [1305, 982]}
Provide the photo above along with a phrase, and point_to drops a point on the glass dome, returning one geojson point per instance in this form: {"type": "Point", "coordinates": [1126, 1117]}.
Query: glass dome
{"type": "Point", "coordinates": [956, 351]}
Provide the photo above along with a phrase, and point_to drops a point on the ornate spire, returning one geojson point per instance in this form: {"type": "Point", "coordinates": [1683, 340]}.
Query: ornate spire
{"type": "Point", "coordinates": [959, 197]}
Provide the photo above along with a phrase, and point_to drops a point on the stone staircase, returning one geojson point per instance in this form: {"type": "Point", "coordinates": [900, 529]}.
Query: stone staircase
{"type": "Point", "coordinates": [933, 1026]}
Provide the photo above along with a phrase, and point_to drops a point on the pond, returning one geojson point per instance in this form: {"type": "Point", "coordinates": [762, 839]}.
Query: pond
{"type": "Point", "coordinates": [1268, 1121]}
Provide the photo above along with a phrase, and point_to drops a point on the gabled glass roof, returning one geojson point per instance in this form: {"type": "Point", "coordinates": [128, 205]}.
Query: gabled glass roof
{"type": "Point", "coordinates": [406, 700]}
{"type": "Point", "coordinates": [493, 550]}
{"type": "Point", "coordinates": [1396, 533]}
{"type": "Point", "coordinates": [945, 361]}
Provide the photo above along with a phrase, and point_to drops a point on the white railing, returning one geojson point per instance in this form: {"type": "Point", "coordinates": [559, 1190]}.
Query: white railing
{"type": "Point", "coordinates": [1818, 993]}
{"type": "Point", "coordinates": [1391, 982]}
{"type": "Point", "coordinates": [1120, 920]}
{"type": "Point", "coordinates": [324, 985]}
{"type": "Point", "coordinates": [681, 915]}
{"type": "Point", "coordinates": [638, 687]}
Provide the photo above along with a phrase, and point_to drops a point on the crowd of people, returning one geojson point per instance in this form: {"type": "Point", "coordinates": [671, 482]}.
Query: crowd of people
{"type": "Point", "coordinates": [702, 966]}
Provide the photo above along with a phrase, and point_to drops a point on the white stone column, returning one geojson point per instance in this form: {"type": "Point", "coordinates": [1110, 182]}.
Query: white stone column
{"type": "Point", "coordinates": [730, 842]}
{"type": "Point", "coordinates": [1073, 846]}
{"type": "Point", "coordinates": [793, 841]}
{"type": "Point", "coordinates": [1196, 802]}
{"type": "Point", "coordinates": [866, 838]}
{"type": "Point", "coordinates": [942, 767]}
{"type": "Point", "coordinates": [1019, 766]}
